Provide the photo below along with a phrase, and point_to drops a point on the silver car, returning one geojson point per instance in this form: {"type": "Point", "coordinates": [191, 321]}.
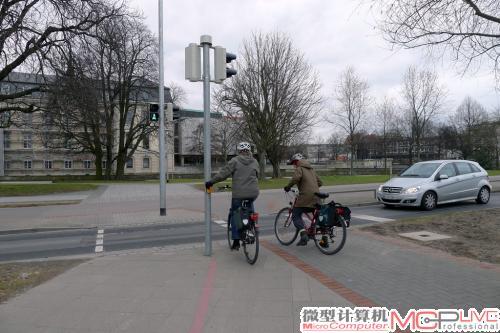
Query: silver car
{"type": "Point", "coordinates": [427, 184]}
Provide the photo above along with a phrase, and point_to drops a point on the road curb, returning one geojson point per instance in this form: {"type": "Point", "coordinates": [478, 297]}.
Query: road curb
{"type": "Point", "coordinates": [38, 203]}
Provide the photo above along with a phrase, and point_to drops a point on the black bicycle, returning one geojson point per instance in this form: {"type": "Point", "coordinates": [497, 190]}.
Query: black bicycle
{"type": "Point", "coordinates": [249, 232]}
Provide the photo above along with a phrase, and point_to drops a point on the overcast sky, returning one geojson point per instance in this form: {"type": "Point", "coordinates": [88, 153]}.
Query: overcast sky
{"type": "Point", "coordinates": [332, 34]}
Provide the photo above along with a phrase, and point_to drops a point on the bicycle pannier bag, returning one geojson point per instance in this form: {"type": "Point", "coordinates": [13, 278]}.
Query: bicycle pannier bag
{"type": "Point", "coordinates": [326, 216]}
{"type": "Point", "coordinates": [240, 216]}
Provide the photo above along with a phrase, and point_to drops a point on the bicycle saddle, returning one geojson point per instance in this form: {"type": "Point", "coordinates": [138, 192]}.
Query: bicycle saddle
{"type": "Point", "coordinates": [322, 195]}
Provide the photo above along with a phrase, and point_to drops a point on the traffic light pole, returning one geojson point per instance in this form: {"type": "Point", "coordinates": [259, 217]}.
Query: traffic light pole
{"type": "Point", "coordinates": [206, 43]}
{"type": "Point", "coordinates": [163, 203]}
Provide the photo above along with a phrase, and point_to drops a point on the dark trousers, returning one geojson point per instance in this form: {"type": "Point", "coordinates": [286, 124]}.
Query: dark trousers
{"type": "Point", "coordinates": [235, 203]}
{"type": "Point", "coordinates": [297, 212]}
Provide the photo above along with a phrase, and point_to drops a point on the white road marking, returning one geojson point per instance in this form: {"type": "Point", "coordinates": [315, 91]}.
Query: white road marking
{"type": "Point", "coordinates": [371, 218]}
{"type": "Point", "coordinates": [222, 223]}
{"type": "Point", "coordinates": [99, 241]}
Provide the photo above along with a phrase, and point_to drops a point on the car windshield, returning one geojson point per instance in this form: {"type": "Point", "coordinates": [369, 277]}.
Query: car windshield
{"type": "Point", "coordinates": [420, 170]}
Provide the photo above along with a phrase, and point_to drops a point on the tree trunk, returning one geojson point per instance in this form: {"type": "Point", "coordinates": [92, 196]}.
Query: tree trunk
{"type": "Point", "coordinates": [352, 161]}
{"type": "Point", "coordinates": [262, 166]}
{"type": "Point", "coordinates": [98, 166]}
{"type": "Point", "coordinates": [120, 166]}
{"type": "Point", "coordinates": [276, 169]}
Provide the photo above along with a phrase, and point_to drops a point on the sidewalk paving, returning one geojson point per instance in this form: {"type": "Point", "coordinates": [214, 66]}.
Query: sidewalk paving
{"type": "Point", "coordinates": [175, 289]}
{"type": "Point", "coordinates": [178, 289]}
{"type": "Point", "coordinates": [120, 205]}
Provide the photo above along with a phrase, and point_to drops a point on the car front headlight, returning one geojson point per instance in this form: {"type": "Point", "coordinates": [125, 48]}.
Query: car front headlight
{"type": "Point", "coordinates": [380, 188]}
{"type": "Point", "coordinates": [412, 190]}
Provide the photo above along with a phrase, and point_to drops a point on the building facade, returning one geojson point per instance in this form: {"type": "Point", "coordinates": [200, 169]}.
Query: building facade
{"type": "Point", "coordinates": [24, 150]}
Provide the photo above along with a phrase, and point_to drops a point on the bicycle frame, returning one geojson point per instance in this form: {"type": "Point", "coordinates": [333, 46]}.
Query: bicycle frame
{"type": "Point", "coordinates": [310, 215]}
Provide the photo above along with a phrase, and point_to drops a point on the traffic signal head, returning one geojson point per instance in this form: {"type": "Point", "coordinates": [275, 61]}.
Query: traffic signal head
{"type": "Point", "coordinates": [154, 112]}
{"type": "Point", "coordinates": [221, 58]}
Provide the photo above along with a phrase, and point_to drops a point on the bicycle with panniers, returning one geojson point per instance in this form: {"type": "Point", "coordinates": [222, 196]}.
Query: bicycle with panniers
{"type": "Point", "coordinates": [246, 221]}
{"type": "Point", "coordinates": [328, 224]}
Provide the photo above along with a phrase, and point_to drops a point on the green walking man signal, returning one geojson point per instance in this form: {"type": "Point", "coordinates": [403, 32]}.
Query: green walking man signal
{"type": "Point", "coordinates": [154, 112]}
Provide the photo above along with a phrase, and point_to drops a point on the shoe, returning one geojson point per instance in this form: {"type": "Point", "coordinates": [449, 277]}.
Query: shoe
{"type": "Point", "coordinates": [303, 238]}
{"type": "Point", "coordinates": [324, 242]}
{"type": "Point", "coordinates": [236, 245]}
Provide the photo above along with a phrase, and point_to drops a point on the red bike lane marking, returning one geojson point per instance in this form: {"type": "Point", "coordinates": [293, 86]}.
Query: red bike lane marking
{"type": "Point", "coordinates": [202, 309]}
{"type": "Point", "coordinates": [335, 286]}
{"type": "Point", "coordinates": [332, 284]}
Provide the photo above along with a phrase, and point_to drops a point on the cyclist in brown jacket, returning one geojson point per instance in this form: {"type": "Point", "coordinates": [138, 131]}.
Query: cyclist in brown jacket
{"type": "Point", "coordinates": [308, 183]}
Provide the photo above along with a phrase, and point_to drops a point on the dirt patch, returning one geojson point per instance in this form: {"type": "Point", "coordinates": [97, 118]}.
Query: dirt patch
{"type": "Point", "coordinates": [474, 234]}
{"type": "Point", "coordinates": [15, 278]}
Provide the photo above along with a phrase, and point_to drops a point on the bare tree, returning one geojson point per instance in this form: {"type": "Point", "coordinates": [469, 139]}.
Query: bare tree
{"type": "Point", "coordinates": [351, 111]}
{"type": "Point", "coordinates": [226, 134]}
{"type": "Point", "coordinates": [336, 144]}
{"type": "Point", "coordinates": [468, 30]}
{"type": "Point", "coordinates": [423, 97]}
{"type": "Point", "coordinates": [30, 29]}
{"type": "Point", "coordinates": [385, 119]}
{"type": "Point", "coordinates": [119, 64]}
{"type": "Point", "coordinates": [469, 115]}
{"type": "Point", "coordinates": [276, 93]}
{"type": "Point", "coordinates": [178, 94]}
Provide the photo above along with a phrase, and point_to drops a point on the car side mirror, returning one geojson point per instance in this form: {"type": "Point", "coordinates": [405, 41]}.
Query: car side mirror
{"type": "Point", "coordinates": [442, 177]}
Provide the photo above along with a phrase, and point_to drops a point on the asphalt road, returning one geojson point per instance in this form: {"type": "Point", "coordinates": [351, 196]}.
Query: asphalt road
{"type": "Point", "coordinates": [50, 243]}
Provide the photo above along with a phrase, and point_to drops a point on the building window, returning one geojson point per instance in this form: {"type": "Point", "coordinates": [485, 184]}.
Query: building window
{"type": "Point", "coordinates": [130, 163]}
{"type": "Point", "coordinates": [104, 164]}
{"type": "Point", "coordinates": [28, 119]}
{"type": "Point", "coordinates": [27, 141]}
{"type": "Point", "coordinates": [5, 89]}
{"type": "Point", "coordinates": [145, 163]}
{"type": "Point", "coordinates": [28, 164]}
{"type": "Point", "coordinates": [68, 164]}
{"type": "Point", "coordinates": [6, 165]}
{"type": "Point", "coordinates": [48, 164]}
{"type": "Point", "coordinates": [6, 139]}
{"type": "Point", "coordinates": [87, 164]}
{"type": "Point", "coordinates": [145, 142]}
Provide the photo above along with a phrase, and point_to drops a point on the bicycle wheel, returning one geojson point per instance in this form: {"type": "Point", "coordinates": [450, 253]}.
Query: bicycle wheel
{"type": "Point", "coordinates": [285, 231]}
{"type": "Point", "coordinates": [330, 240]}
{"type": "Point", "coordinates": [250, 240]}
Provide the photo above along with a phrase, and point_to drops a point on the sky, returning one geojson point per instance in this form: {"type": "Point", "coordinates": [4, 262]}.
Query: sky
{"type": "Point", "coordinates": [332, 34]}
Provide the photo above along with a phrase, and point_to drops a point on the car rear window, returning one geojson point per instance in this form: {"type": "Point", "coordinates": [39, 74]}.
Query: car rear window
{"type": "Point", "coordinates": [463, 168]}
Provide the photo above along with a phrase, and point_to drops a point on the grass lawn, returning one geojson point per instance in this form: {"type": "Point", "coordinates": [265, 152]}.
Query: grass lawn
{"type": "Point", "coordinates": [12, 190]}
{"type": "Point", "coordinates": [494, 172]}
{"type": "Point", "coordinates": [327, 181]}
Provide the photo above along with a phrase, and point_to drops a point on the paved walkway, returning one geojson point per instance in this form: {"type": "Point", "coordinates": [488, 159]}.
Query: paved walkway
{"type": "Point", "coordinates": [170, 290]}
{"type": "Point", "coordinates": [177, 289]}
{"type": "Point", "coordinates": [138, 204]}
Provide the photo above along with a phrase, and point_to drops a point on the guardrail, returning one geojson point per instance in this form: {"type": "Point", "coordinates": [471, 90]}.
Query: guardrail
{"type": "Point", "coordinates": [355, 191]}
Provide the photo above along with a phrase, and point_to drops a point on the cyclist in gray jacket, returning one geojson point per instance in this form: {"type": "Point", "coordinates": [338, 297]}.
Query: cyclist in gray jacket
{"type": "Point", "coordinates": [244, 171]}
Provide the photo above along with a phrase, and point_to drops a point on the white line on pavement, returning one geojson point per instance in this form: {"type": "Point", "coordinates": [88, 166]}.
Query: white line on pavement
{"type": "Point", "coordinates": [222, 223]}
{"type": "Point", "coordinates": [99, 241]}
{"type": "Point", "coordinates": [371, 218]}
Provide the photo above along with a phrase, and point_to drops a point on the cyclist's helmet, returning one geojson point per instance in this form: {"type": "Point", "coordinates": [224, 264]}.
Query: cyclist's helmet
{"type": "Point", "coordinates": [295, 157]}
{"type": "Point", "coordinates": [242, 146]}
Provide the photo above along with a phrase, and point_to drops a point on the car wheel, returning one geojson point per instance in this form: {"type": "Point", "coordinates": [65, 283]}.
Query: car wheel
{"type": "Point", "coordinates": [429, 200]}
{"type": "Point", "coordinates": [483, 196]}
